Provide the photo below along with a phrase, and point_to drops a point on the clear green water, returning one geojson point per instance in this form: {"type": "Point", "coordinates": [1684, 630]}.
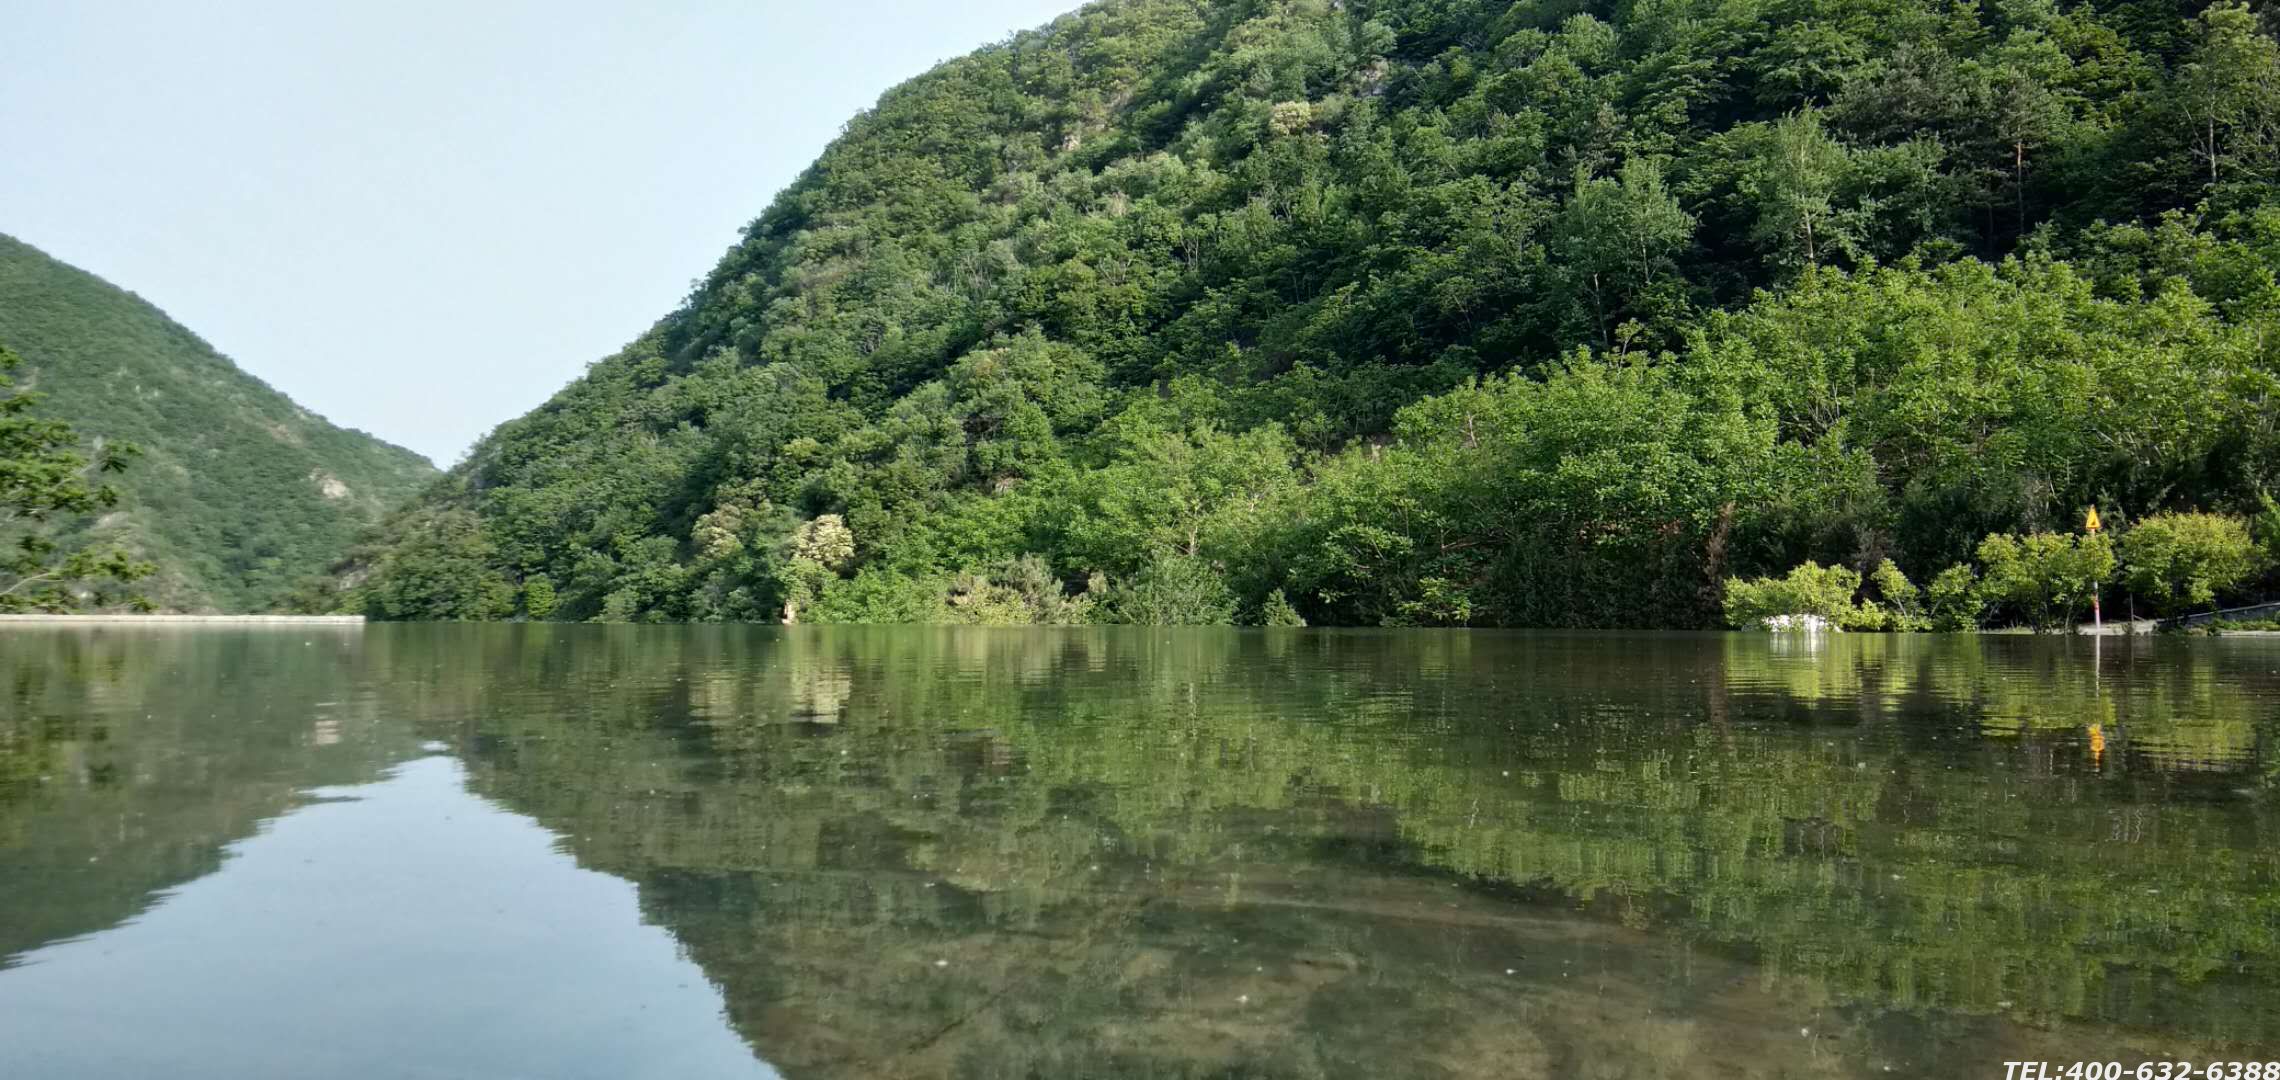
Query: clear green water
{"type": "Point", "coordinates": [680, 852]}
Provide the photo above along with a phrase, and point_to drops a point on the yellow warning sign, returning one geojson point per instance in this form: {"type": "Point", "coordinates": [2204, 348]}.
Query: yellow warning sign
{"type": "Point", "coordinates": [2091, 523]}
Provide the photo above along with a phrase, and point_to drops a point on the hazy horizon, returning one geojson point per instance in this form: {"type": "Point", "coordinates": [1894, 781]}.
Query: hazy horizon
{"type": "Point", "coordinates": [420, 221]}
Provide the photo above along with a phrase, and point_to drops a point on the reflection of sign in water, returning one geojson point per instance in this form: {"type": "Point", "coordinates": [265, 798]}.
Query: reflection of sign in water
{"type": "Point", "coordinates": [2091, 523]}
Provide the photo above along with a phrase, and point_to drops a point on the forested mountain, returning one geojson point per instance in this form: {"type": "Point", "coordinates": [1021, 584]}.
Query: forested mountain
{"type": "Point", "coordinates": [238, 496]}
{"type": "Point", "coordinates": [1556, 312]}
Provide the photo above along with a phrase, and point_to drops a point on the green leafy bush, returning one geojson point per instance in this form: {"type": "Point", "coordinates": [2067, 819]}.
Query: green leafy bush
{"type": "Point", "coordinates": [1904, 604]}
{"type": "Point", "coordinates": [1172, 590]}
{"type": "Point", "coordinates": [442, 571]}
{"type": "Point", "coordinates": [2046, 578]}
{"type": "Point", "coordinates": [881, 595]}
{"type": "Point", "coordinates": [1016, 592]}
{"type": "Point", "coordinates": [1953, 601]}
{"type": "Point", "coordinates": [1276, 610]}
{"type": "Point", "coordinates": [1809, 589]}
{"type": "Point", "coordinates": [2181, 561]}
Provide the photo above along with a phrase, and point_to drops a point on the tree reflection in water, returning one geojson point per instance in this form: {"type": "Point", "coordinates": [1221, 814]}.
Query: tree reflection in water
{"type": "Point", "coordinates": [919, 851]}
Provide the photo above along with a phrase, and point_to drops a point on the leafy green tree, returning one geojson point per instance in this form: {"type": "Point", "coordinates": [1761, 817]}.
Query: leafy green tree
{"type": "Point", "coordinates": [2045, 577]}
{"type": "Point", "coordinates": [1276, 610]}
{"type": "Point", "coordinates": [817, 552]}
{"type": "Point", "coordinates": [1904, 603]}
{"type": "Point", "coordinates": [1437, 601]}
{"type": "Point", "coordinates": [1953, 600]}
{"type": "Point", "coordinates": [1016, 592]}
{"type": "Point", "coordinates": [1168, 491]}
{"type": "Point", "coordinates": [1172, 589]}
{"type": "Point", "coordinates": [882, 595]}
{"type": "Point", "coordinates": [2181, 561]}
{"type": "Point", "coordinates": [1618, 240]}
{"type": "Point", "coordinates": [1809, 589]}
{"type": "Point", "coordinates": [2265, 528]}
{"type": "Point", "coordinates": [2227, 95]}
{"type": "Point", "coordinates": [1792, 182]}
{"type": "Point", "coordinates": [538, 597]}
{"type": "Point", "coordinates": [44, 477]}
{"type": "Point", "coordinates": [442, 569]}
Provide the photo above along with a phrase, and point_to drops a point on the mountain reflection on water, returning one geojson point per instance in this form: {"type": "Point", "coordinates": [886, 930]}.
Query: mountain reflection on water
{"type": "Point", "coordinates": [402, 927]}
{"type": "Point", "coordinates": [1124, 852]}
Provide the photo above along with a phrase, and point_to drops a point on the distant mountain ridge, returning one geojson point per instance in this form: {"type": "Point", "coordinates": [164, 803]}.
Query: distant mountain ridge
{"type": "Point", "coordinates": [241, 495]}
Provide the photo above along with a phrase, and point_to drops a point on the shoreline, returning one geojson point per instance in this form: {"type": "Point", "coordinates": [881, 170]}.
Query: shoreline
{"type": "Point", "coordinates": [181, 620]}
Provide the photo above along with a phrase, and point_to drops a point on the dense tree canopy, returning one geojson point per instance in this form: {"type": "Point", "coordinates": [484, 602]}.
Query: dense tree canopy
{"type": "Point", "coordinates": [1429, 311]}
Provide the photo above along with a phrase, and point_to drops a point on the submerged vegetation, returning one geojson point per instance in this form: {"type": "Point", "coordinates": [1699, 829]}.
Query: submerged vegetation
{"type": "Point", "coordinates": [1425, 312]}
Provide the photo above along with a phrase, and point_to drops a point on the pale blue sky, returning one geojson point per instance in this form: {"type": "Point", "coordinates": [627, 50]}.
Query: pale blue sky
{"type": "Point", "coordinates": [422, 217]}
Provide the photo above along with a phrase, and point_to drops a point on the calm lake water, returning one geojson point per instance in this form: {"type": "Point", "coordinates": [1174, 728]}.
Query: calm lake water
{"type": "Point", "coordinates": [535, 851]}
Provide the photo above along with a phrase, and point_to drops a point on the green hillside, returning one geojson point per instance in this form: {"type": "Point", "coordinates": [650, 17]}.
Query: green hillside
{"type": "Point", "coordinates": [1428, 311]}
{"type": "Point", "coordinates": [240, 496]}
